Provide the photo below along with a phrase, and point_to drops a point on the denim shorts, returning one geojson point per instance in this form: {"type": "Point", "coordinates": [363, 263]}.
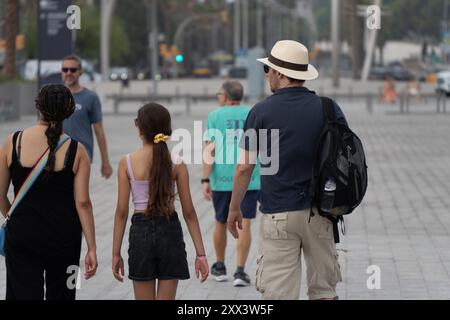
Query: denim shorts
{"type": "Point", "coordinates": [222, 199]}
{"type": "Point", "coordinates": [156, 249]}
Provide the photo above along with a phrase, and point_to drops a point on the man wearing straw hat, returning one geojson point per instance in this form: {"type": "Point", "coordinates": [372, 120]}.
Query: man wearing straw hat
{"type": "Point", "coordinates": [295, 113]}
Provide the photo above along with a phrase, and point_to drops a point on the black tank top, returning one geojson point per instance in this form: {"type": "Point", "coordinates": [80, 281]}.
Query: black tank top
{"type": "Point", "coordinates": [46, 220]}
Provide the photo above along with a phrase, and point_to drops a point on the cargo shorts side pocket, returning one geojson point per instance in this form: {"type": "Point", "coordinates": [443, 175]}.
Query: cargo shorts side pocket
{"type": "Point", "coordinates": [259, 284]}
{"type": "Point", "coordinates": [275, 226]}
{"type": "Point", "coordinates": [337, 269]}
{"type": "Point", "coordinates": [325, 229]}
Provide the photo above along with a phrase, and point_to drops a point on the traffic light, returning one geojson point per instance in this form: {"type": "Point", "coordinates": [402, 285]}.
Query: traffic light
{"type": "Point", "coordinates": [179, 58]}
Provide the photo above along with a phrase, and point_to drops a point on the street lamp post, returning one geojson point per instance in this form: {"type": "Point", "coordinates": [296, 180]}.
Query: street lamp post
{"type": "Point", "coordinates": [237, 25]}
{"type": "Point", "coordinates": [153, 44]}
{"type": "Point", "coordinates": [370, 49]}
{"type": "Point", "coordinates": [259, 24]}
{"type": "Point", "coordinates": [335, 40]}
{"type": "Point", "coordinates": [107, 7]}
{"type": "Point", "coordinates": [245, 24]}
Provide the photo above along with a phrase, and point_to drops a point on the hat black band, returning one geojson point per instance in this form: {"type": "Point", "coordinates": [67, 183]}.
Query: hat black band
{"type": "Point", "coordinates": [288, 65]}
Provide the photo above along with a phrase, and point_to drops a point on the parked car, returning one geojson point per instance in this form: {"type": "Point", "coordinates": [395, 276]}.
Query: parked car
{"type": "Point", "coordinates": [377, 73]}
{"type": "Point", "coordinates": [400, 73]}
{"type": "Point", "coordinates": [202, 72]}
{"type": "Point", "coordinates": [429, 74]}
{"type": "Point", "coordinates": [119, 73]}
{"type": "Point", "coordinates": [394, 70]}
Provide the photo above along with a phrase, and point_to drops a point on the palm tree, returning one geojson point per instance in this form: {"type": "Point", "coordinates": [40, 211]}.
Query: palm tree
{"type": "Point", "coordinates": [9, 68]}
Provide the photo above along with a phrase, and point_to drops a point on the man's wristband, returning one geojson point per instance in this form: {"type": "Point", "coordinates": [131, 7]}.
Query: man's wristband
{"type": "Point", "coordinates": [205, 180]}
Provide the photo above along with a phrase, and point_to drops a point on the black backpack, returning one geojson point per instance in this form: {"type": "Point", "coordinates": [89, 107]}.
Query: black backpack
{"type": "Point", "coordinates": [339, 174]}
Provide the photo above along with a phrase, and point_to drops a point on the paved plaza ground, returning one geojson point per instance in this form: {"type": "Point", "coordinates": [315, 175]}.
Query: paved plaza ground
{"type": "Point", "coordinates": [402, 225]}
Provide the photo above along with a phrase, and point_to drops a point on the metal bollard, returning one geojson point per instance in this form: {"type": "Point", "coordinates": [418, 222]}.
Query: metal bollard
{"type": "Point", "coordinates": [408, 98]}
{"type": "Point", "coordinates": [402, 102]}
{"type": "Point", "coordinates": [116, 105]}
{"type": "Point", "coordinates": [444, 105]}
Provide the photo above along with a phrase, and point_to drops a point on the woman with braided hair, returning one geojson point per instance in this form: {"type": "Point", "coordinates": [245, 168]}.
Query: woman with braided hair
{"type": "Point", "coordinates": [44, 233]}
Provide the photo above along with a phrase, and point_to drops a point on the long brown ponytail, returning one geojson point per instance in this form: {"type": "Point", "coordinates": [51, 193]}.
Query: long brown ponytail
{"type": "Point", "coordinates": [154, 121]}
{"type": "Point", "coordinates": [55, 103]}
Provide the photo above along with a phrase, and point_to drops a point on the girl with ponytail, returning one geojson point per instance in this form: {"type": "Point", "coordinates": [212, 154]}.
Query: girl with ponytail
{"type": "Point", "coordinates": [44, 233]}
{"type": "Point", "coordinates": [156, 254]}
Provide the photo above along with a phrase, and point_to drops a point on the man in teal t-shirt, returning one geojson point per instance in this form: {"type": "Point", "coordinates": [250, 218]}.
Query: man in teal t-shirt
{"type": "Point", "coordinates": [224, 130]}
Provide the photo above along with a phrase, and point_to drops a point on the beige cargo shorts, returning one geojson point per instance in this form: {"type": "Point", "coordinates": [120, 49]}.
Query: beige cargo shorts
{"type": "Point", "coordinates": [283, 237]}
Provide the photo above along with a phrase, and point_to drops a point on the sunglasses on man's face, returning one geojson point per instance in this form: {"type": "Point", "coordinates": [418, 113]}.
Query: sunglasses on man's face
{"type": "Point", "coordinates": [66, 70]}
{"type": "Point", "coordinates": [136, 122]}
{"type": "Point", "coordinates": [266, 69]}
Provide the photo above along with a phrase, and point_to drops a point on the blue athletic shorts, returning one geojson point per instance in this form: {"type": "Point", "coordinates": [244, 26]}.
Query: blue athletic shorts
{"type": "Point", "coordinates": [222, 199]}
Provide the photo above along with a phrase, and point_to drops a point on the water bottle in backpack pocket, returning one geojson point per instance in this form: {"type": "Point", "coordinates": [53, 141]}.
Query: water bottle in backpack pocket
{"type": "Point", "coordinates": [339, 175]}
{"type": "Point", "coordinates": [327, 201]}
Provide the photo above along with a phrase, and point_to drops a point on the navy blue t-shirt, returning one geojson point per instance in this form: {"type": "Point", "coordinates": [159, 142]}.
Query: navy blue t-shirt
{"type": "Point", "coordinates": [297, 114]}
{"type": "Point", "coordinates": [88, 111]}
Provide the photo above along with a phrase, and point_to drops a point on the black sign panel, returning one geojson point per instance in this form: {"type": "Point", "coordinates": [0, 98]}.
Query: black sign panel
{"type": "Point", "coordinates": [55, 39]}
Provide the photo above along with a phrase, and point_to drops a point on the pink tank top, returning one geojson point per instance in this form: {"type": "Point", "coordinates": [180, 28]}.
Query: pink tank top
{"type": "Point", "coordinates": [139, 188]}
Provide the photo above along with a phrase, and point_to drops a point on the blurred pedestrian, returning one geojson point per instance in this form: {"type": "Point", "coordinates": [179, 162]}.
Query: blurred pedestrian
{"type": "Point", "coordinates": [389, 93]}
{"type": "Point", "coordinates": [43, 240]}
{"type": "Point", "coordinates": [413, 89]}
{"type": "Point", "coordinates": [217, 181]}
{"type": "Point", "coordinates": [287, 229]}
{"type": "Point", "coordinates": [87, 115]}
{"type": "Point", "coordinates": [156, 254]}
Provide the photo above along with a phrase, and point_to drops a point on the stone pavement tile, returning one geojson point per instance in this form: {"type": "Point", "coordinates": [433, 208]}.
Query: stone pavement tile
{"type": "Point", "coordinates": [446, 264]}
{"type": "Point", "coordinates": [388, 295]}
{"type": "Point", "coordinates": [225, 293]}
{"type": "Point", "coordinates": [439, 290]}
{"type": "Point", "coordinates": [199, 294]}
{"type": "Point", "coordinates": [360, 295]}
{"type": "Point", "coordinates": [247, 296]}
{"type": "Point", "coordinates": [418, 293]}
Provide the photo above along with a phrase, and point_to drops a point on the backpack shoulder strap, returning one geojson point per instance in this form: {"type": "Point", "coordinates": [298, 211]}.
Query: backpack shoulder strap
{"type": "Point", "coordinates": [328, 109]}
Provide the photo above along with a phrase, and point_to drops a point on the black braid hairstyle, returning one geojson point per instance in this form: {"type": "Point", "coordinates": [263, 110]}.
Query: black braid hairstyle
{"type": "Point", "coordinates": [55, 103]}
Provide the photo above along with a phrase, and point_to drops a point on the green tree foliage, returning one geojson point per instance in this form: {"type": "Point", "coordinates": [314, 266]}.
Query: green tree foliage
{"type": "Point", "coordinates": [29, 29]}
{"type": "Point", "coordinates": [135, 28]}
{"type": "Point", "coordinates": [412, 19]}
{"type": "Point", "coordinates": [88, 38]}
{"type": "Point", "coordinates": [407, 19]}
{"type": "Point", "coordinates": [322, 11]}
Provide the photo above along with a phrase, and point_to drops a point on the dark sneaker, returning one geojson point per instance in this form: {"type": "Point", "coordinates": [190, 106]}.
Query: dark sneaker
{"type": "Point", "coordinates": [219, 271]}
{"type": "Point", "coordinates": [241, 279]}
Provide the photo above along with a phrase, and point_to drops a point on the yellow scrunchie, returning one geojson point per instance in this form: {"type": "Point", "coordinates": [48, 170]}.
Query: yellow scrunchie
{"type": "Point", "coordinates": [160, 137]}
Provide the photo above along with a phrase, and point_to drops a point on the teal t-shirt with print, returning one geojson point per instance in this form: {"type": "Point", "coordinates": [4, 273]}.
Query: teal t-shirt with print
{"type": "Point", "coordinates": [225, 128]}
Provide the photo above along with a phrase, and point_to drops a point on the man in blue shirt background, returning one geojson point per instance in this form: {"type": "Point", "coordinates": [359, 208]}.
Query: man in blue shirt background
{"type": "Point", "coordinates": [88, 113]}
